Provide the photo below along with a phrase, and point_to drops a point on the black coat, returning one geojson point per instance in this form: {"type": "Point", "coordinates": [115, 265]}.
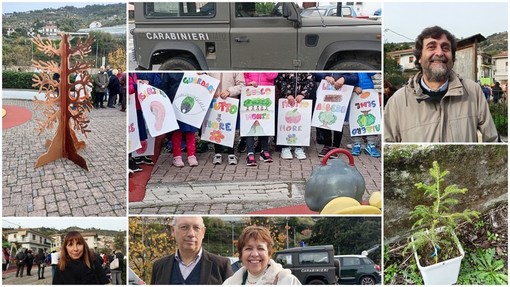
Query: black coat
{"type": "Point", "coordinates": [215, 269]}
{"type": "Point", "coordinates": [77, 273]}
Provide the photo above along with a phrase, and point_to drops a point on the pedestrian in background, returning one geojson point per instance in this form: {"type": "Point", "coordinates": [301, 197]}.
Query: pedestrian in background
{"type": "Point", "coordinates": [40, 260]}
{"type": "Point", "coordinates": [20, 258]}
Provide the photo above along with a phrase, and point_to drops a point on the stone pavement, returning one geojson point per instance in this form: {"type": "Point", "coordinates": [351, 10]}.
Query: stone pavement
{"type": "Point", "coordinates": [9, 277]}
{"type": "Point", "coordinates": [61, 188]}
{"type": "Point", "coordinates": [241, 189]}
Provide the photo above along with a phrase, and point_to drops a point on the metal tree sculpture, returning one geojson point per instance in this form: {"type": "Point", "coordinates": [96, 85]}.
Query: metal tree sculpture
{"type": "Point", "coordinates": [64, 101]}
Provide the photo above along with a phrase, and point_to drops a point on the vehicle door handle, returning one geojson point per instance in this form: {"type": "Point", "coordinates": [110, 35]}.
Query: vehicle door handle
{"type": "Point", "coordinates": [242, 39]}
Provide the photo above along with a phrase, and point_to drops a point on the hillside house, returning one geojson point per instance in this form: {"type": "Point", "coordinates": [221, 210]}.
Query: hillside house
{"type": "Point", "coordinates": [500, 62]}
{"type": "Point", "coordinates": [28, 238]}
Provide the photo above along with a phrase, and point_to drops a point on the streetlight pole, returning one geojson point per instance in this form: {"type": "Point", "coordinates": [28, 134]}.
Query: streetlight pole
{"type": "Point", "coordinates": [232, 223]}
{"type": "Point", "coordinates": [287, 230]}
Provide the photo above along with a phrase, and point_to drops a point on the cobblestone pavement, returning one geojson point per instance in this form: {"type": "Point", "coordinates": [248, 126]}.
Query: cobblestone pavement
{"type": "Point", "coordinates": [239, 189]}
{"type": "Point", "coordinates": [62, 188]}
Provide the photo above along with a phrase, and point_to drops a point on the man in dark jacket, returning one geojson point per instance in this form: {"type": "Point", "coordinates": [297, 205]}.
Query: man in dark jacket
{"type": "Point", "coordinates": [113, 88]}
{"type": "Point", "coordinates": [190, 264]}
{"type": "Point", "coordinates": [101, 85]}
{"type": "Point", "coordinates": [21, 258]}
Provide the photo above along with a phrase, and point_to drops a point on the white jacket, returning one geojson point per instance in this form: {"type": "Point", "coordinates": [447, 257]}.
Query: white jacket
{"type": "Point", "coordinates": [274, 275]}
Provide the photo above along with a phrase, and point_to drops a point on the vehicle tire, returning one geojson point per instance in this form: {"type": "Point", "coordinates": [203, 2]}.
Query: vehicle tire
{"type": "Point", "coordinates": [366, 280]}
{"type": "Point", "coordinates": [316, 282]}
{"type": "Point", "coordinates": [180, 64]}
{"type": "Point", "coordinates": [353, 66]}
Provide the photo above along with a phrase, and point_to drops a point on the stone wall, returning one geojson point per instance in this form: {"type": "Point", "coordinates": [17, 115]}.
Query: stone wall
{"type": "Point", "coordinates": [482, 169]}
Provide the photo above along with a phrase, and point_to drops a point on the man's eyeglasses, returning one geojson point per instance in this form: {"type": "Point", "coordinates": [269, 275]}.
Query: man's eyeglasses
{"type": "Point", "coordinates": [186, 228]}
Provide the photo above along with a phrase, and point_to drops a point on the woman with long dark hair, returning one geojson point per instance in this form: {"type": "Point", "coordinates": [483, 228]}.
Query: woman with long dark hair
{"type": "Point", "coordinates": [76, 264]}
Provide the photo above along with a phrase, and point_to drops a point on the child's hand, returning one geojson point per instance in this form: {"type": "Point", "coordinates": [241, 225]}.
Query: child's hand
{"type": "Point", "coordinates": [339, 83]}
{"type": "Point", "coordinates": [253, 84]}
{"type": "Point", "coordinates": [299, 98]}
{"type": "Point", "coordinates": [225, 94]}
{"type": "Point", "coordinates": [358, 90]}
{"type": "Point", "coordinates": [291, 100]}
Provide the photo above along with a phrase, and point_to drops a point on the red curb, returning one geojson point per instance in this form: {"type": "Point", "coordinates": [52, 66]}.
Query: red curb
{"type": "Point", "coordinates": [138, 181]}
{"type": "Point", "coordinates": [15, 116]}
{"type": "Point", "coordinates": [296, 209]}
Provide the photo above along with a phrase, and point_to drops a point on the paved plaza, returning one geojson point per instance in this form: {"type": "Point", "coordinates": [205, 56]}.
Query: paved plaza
{"type": "Point", "coordinates": [239, 189]}
{"type": "Point", "coordinates": [62, 188]}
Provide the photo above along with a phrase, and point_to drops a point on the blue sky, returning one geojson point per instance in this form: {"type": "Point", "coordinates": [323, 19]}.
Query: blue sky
{"type": "Point", "coordinates": [461, 19]}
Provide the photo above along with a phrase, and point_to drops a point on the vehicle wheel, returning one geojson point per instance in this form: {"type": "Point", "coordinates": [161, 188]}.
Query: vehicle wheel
{"type": "Point", "coordinates": [316, 282]}
{"type": "Point", "coordinates": [350, 65]}
{"type": "Point", "coordinates": [180, 64]}
{"type": "Point", "coordinates": [366, 280]}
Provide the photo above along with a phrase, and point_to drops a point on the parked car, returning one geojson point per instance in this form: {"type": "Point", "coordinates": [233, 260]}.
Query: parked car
{"type": "Point", "coordinates": [236, 36]}
{"type": "Point", "coordinates": [133, 279]}
{"type": "Point", "coordinates": [358, 269]}
{"type": "Point", "coordinates": [235, 263]}
{"type": "Point", "coordinates": [312, 265]}
{"type": "Point", "coordinates": [328, 10]}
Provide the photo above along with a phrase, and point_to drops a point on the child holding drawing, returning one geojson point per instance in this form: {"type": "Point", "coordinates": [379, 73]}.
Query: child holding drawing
{"type": "Point", "coordinates": [295, 87]}
{"type": "Point", "coordinates": [230, 86]}
{"type": "Point", "coordinates": [256, 79]}
{"type": "Point", "coordinates": [170, 85]}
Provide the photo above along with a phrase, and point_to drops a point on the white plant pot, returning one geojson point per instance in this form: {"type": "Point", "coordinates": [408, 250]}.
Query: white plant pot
{"type": "Point", "coordinates": [442, 273]}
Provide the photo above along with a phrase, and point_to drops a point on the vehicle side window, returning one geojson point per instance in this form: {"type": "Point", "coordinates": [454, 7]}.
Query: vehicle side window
{"type": "Point", "coordinates": [284, 259]}
{"type": "Point", "coordinates": [350, 261]}
{"type": "Point", "coordinates": [367, 261]}
{"type": "Point", "coordinates": [313, 257]}
{"type": "Point", "coordinates": [258, 9]}
{"type": "Point", "coordinates": [179, 9]}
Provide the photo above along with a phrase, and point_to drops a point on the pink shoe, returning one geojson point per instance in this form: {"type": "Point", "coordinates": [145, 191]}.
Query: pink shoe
{"type": "Point", "coordinates": [178, 161]}
{"type": "Point", "coordinates": [192, 160]}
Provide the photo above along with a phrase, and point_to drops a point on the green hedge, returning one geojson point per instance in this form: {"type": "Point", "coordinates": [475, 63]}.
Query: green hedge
{"type": "Point", "coordinates": [17, 80]}
{"type": "Point", "coordinates": [499, 113]}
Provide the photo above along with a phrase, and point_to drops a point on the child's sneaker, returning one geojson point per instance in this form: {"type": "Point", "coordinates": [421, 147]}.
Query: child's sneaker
{"type": "Point", "coordinates": [372, 150]}
{"type": "Point", "coordinates": [324, 151]}
{"type": "Point", "coordinates": [147, 160]}
{"type": "Point", "coordinates": [286, 153]}
{"type": "Point", "coordinates": [300, 153]}
{"type": "Point", "coordinates": [266, 156]}
{"type": "Point", "coordinates": [250, 160]}
{"type": "Point", "coordinates": [232, 159]}
{"type": "Point", "coordinates": [217, 159]}
{"type": "Point", "coordinates": [356, 149]}
{"type": "Point", "coordinates": [192, 160]}
{"type": "Point", "coordinates": [178, 161]}
{"type": "Point", "coordinates": [133, 167]}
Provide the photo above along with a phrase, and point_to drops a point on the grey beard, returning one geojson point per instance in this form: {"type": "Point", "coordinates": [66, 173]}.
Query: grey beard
{"type": "Point", "coordinates": [437, 74]}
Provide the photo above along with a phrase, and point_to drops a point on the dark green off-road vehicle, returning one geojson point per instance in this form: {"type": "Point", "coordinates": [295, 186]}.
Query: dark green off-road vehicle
{"type": "Point", "coordinates": [250, 36]}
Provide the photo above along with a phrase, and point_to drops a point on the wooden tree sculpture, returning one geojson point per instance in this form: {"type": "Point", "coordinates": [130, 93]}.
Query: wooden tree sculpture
{"type": "Point", "coordinates": [64, 101]}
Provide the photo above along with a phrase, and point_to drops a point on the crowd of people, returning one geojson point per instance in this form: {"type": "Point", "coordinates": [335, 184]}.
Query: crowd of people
{"type": "Point", "coordinates": [293, 87]}
{"type": "Point", "coordinates": [75, 263]}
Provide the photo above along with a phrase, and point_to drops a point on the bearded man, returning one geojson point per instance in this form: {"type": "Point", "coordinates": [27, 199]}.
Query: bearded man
{"type": "Point", "coordinates": [437, 105]}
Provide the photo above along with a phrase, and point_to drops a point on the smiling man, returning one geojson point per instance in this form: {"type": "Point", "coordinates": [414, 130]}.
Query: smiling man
{"type": "Point", "coordinates": [190, 264]}
{"type": "Point", "coordinates": [437, 105]}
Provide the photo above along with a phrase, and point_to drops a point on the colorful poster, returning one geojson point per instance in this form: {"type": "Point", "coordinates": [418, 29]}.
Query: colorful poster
{"type": "Point", "coordinates": [257, 111]}
{"type": "Point", "coordinates": [219, 126]}
{"type": "Point", "coordinates": [133, 135]}
{"type": "Point", "coordinates": [157, 110]}
{"type": "Point", "coordinates": [147, 147]}
{"type": "Point", "coordinates": [193, 98]}
{"type": "Point", "coordinates": [294, 123]}
{"type": "Point", "coordinates": [365, 115]}
{"type": "Point", "coordinates": [331, 106]}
